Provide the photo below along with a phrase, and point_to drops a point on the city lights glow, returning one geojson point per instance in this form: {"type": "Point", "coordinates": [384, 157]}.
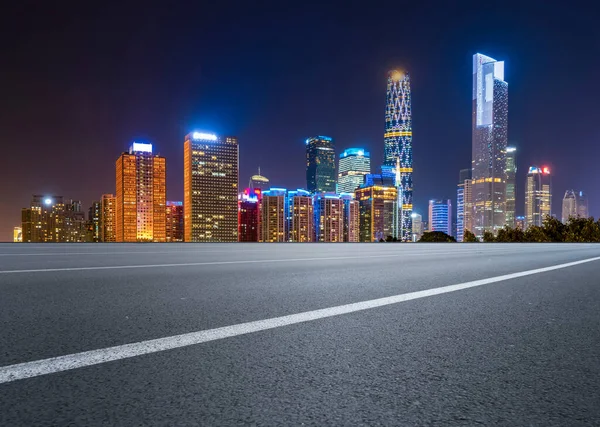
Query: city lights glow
{"type": "Point", "coordinates": [48, 201]}
{"type": "Point", "coordinates": [140, 147]}
{"type": "Point", "coordinates": [204, 136]}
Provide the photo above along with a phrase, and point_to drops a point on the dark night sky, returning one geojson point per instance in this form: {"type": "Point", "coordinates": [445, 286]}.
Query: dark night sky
{"type": "Point", "coordinates": [79, 83]}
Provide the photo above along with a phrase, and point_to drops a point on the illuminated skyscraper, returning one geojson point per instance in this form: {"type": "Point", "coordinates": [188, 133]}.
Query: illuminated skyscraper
{"type": "Point", "coordinates": [378, 206]}
{"type": "Point", "coordinates": [141, 195]}
{"type": "Point", "coordinates": [94, 218]}
{"type": "Point", "coordinates": [249, 215]}
{"type": "Point", "coordinates": [320, 164]}
{"type": "Point", "coordinates": [108, 218]}
{"type": "Point", "coordinates": [574, 205]}
{"type": "Point", "coordinates": [329, 217]}
{"type": "Point", "coordinates": [538, 196]}
{"type": "Point", "coordinates": [351, 218]}
{"type": "Point", "coordinates": [398, 145]}
{"type": "Point", "coordinates": [272, 212]}
{"type": "Point", "coordinates": [210, 177]}
{"type": "Point", "coordinates": [440, 216]}
{"type": "Point", "coordinates": [464, 204]}
{"type": "Point", "coordinates": [17, 234]}
{"type": "Point", "coordinates": [44, 220]}
{"type": "Point", "coordinates": [174, 222]}
{"type": "Point", "coordinates": [417, 227]}
{"type": "Point", "coordinates": [354, 164]}
{"type": "Point", "coordinates": [490, 131]}
{"type": "Point", "coordinates": [511, 172]}
{"type": "Point", "coordinates": [299, 216]}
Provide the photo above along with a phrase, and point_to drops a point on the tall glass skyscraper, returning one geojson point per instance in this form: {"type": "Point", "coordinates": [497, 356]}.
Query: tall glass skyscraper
{"type": "Point", "coordinates": [490, 131]}
{"type": "Point", "coordinates": [398, 145]}
{"type": "Point", "coordinates": [354, 164]}
{"type": "Point", "coordinates": [320, 164]}
{"type": "Point", "coordinates": [464, 204]}
{"type": "Point", "coordinates": [440, 216]}
{"type": "Point", "coordinates": [538, 196]}
{"type": "Point", "coordinates": [511, 172]}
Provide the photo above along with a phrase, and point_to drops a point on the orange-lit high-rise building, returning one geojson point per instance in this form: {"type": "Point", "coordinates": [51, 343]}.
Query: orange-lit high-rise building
{"type": "Point", "coordinates": [272, 212]}
{"type": "Point", "coordinates": [377, 206]}
{"type": "Point", "coordinates": [140, 214]}
{"type": "Point", "coordinates": [329, 217]}
{"type": "Point", "coordinates": [351, 218]}
{"type": "Point", "coordinates": [210, 188]}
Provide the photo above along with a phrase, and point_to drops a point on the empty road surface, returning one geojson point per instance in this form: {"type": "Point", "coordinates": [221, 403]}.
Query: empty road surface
{"type": "Point", "coordinates": [300, 334]}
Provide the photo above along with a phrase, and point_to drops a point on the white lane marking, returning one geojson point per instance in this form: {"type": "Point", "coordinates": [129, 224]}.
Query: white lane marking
{"type": "Point", "coordinates": [189, 264]}
{"type": "Point", "coordinates": [94, 357]}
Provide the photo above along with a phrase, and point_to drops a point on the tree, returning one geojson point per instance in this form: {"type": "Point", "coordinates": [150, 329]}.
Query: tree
{"type": "Point", "coordinates": [554, 229]}
{"type": "Point", "coordinates": [510, 235]}
{"type": "Point", "coordinates": [390, 239]}
{"type": "Point", "coordinates": [488, 237]}
{"type": "Point", "coordinates": [436, 237]}
{"type": "Point", "coordinates": [469, 237]}
{"type": "Point", "coordinates": [536, 234]}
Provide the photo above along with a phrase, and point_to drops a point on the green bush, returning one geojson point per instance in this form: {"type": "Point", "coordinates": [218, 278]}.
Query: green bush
{"type": "Point", "coordinates": [436, 237]}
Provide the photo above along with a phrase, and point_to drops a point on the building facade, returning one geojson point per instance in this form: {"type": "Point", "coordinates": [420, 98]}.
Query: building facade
{"type": "Point", "coordinates": [272, 216]}
{"type": "Point", "coordinates": [464, 204]}
{"type": "Point", "coordinates": [140, 195]}
{"type": "Point", "coordinates": [538, 196]}
{"type": "Point", "coordinates": [210, 176]}
{"type": "Point", "coordinates": [174, 221]}
{"type": "Point", "coordinates": [329, 218]}
{"type": "Point", "coordinates": [489, 141]}
{"type": "Point", "coordinates": [351, 218]}
{"type": "Point", "coordinates": [398, 145]}
{"type": "Point", "coordinates": [258, 182]}
{"type": "Point", "coordinates": [417, 227]}
{"type": "Point", "coordinates": [299, 216]}
{"type": "Point", "coordinates": [108, 204]}
{"type": "Point", "coordinates": [320, 164]}
{"type": "Point", "coordinates": [378, 206]}
{"type": "Point", "coordinates": [574, 205]}
{"type": "Point", "coordinates": [249, 215]}
{"type": "Point", "coordinates": [353, 165]}
{"type": "Point", "coordinates": [94, 218]}
{"type": "Point", "coordinates": [582, 205]}
{"type": "Point", "coordinates": [440, 216]}
{"type": "Point", "coordinates": [511, 185]}
{"type": "Point", "coordinates": [17, 235]}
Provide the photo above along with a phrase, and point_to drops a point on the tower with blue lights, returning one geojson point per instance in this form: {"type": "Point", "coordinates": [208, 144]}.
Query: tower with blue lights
{"type": "Point", "coordinates": [398, 145]}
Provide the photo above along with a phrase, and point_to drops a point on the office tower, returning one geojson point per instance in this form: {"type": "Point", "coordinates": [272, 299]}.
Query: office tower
{"type": "Point", "coordinates": [94, 216]}
{"type": "Point", "coordinates": [464, 204]}
{"type": "Point", "coordinates": [249, 215]}
{"type": "Point", "coordinates": [140, 196]}
{"type": "Point", "coordinates": [417, 227]}
{"type": "Point", "coordinates": [210, 177]}
{"type": "Point", "coordinates": [538, 196]}
{"type": "Point", "coordinates": [378, 206]}
{"type": "Point", "coordinates": [320, 164]}
{"type": "Point", "coordinates": [569, 206]}
{"type": "Point", "coordinates": [329, 217]}
{"type": "Point", "coordinates": [574, 205]}
{"type": "Point", "coordinates": [354, 164]}
{"type": "Point", "coordinates": [351, 218]}
{"type": "Point", "coordinates": [258, 182]}
{"type": "Point", "coordinates": [440, 216]}
{"type": "Point", "coordinates": [44, 220]}
{"type": "Point", "coordinates": [398, 146]}
{"type": "Point", "coordinates": [17, 234]}
{"type": "Point", "coordinates": [108, 218]}
{"type": "Point", "coordinates": [511, 173]}
{"type": "Point", "coordinates": [74, 223]}
{"type": "Point", "coordinates": [490, 130]}
{"type": "Point", "coordinates": [272, 215]}
{"type": "Point", "coordinates": [582, 205]}
{"type": "Point", "coordinates": [174, 222]}
{"type": "Point", "coordinates": [299, 216]}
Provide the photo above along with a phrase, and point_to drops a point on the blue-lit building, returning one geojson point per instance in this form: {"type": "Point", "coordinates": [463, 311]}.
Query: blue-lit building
{"type": "Point", "coordinates": [320, 164]}
{"type": "Point", "coordinates": [464, 204]}
{"type": "Point", "coordinates": [329, 217]}
{"type": "Point", "coordinates": [354, 164]}
{"type": "Point", "coordinates": [398, 145]}
{"type": "Point", "coordinates": [440, 216]}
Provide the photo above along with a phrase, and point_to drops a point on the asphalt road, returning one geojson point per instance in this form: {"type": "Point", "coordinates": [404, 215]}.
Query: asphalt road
{"type": "Point", "coordinates": [293, 334]}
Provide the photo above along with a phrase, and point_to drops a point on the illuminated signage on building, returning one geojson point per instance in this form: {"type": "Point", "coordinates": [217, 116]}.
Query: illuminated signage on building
{"type": "Point", "coordinates": [204, 136]}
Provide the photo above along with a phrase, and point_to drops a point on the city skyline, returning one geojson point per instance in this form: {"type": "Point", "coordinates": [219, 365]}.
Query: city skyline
{"type": "Point", "coordinates": [268, 133]}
